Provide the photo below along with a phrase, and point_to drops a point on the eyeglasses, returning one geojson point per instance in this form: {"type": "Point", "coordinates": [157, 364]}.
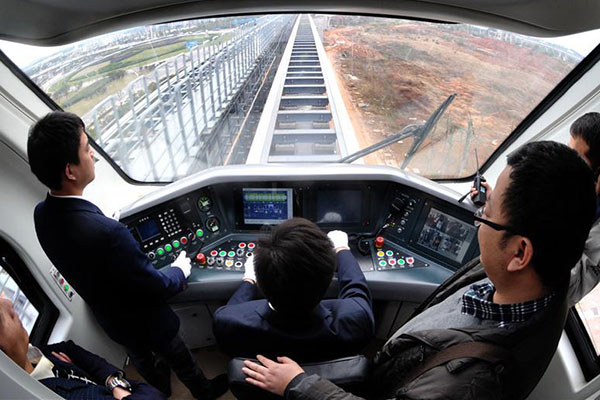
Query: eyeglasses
{"type": "Point", "coordinates": [480, 220]}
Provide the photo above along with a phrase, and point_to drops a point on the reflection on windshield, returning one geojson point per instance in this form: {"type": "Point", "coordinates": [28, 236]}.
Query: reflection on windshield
{"type": "Point", "coordinates": [166, 101]}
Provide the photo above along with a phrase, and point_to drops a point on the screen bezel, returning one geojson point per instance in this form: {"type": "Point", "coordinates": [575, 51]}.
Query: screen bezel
{"type": "Point", "coordinates": [466, 217]}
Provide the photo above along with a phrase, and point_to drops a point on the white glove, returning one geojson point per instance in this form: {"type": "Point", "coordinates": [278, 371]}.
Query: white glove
{"type": "Point", "coordinates": [183, 263]}
{"type": "Point", "coordinates": [249, 270]}
{"type": "Point", "coordinates": [339, 240]}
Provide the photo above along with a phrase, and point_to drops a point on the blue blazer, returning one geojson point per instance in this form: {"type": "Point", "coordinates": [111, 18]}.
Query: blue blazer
{"type": "Point", "coordinates": [338, 327]}
{"type": "Point", "coordinates": [103, 262]}
{"type": "Point", "coordinates": [84, 379]}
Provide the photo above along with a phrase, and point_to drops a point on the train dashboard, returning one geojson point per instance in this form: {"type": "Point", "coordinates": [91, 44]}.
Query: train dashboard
{"type": "Point", "coordinates": [408, 233]}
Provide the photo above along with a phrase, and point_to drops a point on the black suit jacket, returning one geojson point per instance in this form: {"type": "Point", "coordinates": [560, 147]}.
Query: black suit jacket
{"type": "Point", "coordinates": [336, 327]}
{"type": "Point", "coordinates": [85, 378]}
{"type": "Point", "coordinates": [103, 262]}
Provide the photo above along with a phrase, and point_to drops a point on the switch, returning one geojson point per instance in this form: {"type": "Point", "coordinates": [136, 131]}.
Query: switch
{"type": "Point", "coordinates": [201, 258]}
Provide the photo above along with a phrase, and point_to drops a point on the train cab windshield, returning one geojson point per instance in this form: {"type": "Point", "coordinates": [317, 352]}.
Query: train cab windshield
{"type": "Point", "coordinates": [165, 101]}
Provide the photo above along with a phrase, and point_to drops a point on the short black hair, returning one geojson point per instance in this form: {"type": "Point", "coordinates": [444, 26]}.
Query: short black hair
{"type": "Point", "coordinates": [53, 143]}
{"type": "Point", "coordinates": [551, 200]}
{"type": "Point", "coordinates": [587, 127]}
{"type": "Point", "coordinates": [294, 265]}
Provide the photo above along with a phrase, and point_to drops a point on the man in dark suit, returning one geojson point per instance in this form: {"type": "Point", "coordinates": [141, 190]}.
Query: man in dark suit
{"type": "Point", "coordinates": [294, 267]}
{"type": "Point", "coordinates": [67, 369]}
{"type": "Point", "coordinates": [104, 263]}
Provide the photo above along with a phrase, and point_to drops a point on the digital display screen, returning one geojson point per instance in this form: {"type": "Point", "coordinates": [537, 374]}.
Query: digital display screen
{"type": "Point", "coordinates": [148, 229]}
{"type": "Point", "coordinates": [446, 235]}
{"type": "Point", "coordinates": [267, 206]}
{"type": "Point", "coordinates": [338, 206]}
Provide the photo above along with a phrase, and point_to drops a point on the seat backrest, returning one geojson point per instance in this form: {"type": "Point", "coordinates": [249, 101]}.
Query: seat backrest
{"type": "Point", "coordinates": [348, 372]}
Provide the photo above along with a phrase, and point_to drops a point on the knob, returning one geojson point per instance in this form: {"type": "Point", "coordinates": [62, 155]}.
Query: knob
{"type": "Point", "coordinates": [379, 242]}
{"type": "Point", "coordinates": [151, 255]}
{"type": "Point", "coordinates": [201, 258]}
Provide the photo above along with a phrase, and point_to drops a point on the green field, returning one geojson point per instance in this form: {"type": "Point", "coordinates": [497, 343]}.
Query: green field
{"type": "Point", "coordinates": [76, 94]}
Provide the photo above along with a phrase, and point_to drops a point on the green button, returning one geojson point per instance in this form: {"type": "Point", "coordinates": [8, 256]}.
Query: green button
{"type": "Point", "coordinates": [231, 254]}
{"type": "Point", "coordinates": [401, 262]}
{"type": "Point", "coordinates": [176, 244]}
{"type": "Point", "coordinates": [168, 248]}
{"type": "Point", "coordinates": [66, 288]}
{"type": "Point", "coordinates": [160, 251]}
{"type": "Point", "coordinates": [389, 253]}
{"type": "Point", "coordinates": [382, 263]}
{"type": "Point", "coordinates": [199, 233]}
{"type": "Point", "coordinates": [222, 253]}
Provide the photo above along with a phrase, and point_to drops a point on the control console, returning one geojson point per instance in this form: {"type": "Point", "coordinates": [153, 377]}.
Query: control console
{"type": "Point", "coordinates": [184, 224]}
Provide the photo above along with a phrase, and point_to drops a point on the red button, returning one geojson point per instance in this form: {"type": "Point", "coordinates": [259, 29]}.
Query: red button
{"type": "Point", "coordinates": [379, 242]}
{"type": "Point", "coordinates": [61, 281]}
{"type": "Point", "coordinates": [183, 240]}
{"type": "Point", "coordinates": [201, 258]}
{"type": "Point", "coordinates": [214, 253]}
{"type": "Point", "coordinates": [251, 245]}
{"type": "Point", "coordinates": [242, 245]}
{"type": "Point", "coordinates": [410, 260]}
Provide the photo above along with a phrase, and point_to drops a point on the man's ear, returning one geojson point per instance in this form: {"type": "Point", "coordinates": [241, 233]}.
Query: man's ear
{"type": "Point", "coordinates": [522, 253]}
{"type": "Point", "coordinates": [69, 173]}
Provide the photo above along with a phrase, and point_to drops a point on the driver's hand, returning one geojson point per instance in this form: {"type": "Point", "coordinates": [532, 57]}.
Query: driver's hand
{"type": "Point", "coordinates": [183, 263]}
{"type": "Point", "coordinates": [339, 240]}
{"type": "Point", "coordinates": [249, 275]}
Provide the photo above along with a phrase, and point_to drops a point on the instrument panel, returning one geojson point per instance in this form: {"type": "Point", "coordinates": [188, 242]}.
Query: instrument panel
{"type": "Point", "coordinates": [415, 231]}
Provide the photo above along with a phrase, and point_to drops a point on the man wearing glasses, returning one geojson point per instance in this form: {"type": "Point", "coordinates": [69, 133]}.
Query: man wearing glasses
{"type": "Point", "coordinates": [585, 140]}
{"type": "Point", "coordinates": [492, 329]}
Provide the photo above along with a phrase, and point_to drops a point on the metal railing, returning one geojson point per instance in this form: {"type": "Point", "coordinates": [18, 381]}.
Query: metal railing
{"type": "Point", "coordinates": [161, 124]}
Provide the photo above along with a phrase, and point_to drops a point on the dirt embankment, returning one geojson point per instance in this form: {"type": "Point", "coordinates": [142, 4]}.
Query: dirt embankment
{"type": "Point", "coordinates": [393, 75]}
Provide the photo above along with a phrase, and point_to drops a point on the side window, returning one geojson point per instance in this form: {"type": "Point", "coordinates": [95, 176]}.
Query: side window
{"type": "Point", "coordinates": [36, 312]}
{"type": "Point", "coordinates": [583, 328]}
{"type": "Point", "coordinates": [9, 289]}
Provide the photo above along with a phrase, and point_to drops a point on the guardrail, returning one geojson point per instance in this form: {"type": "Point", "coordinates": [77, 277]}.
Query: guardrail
{"type": "Point", "coordinates": [160, 127]}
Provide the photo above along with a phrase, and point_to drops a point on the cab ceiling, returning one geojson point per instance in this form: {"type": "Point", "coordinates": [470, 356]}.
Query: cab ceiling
{"type": "Point", "coordinates": [55, 22]}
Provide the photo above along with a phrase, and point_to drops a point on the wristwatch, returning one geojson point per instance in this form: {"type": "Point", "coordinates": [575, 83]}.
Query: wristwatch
{"type": "Point", "coordinates": [117, 380]}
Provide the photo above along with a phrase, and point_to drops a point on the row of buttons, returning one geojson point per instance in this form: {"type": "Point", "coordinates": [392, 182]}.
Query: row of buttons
{"type": "Point", "coordinates": [169, 247]}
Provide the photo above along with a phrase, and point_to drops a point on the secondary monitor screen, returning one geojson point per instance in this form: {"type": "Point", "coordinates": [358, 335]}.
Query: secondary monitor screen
{"type": "Point", "coordinates": [267, 206]}
{"type": "Point", "coordinates": [338, 206]}
{"type": "Point", "coordinates": [446, 235]}
{"type": "Point", "coordinates": [148, 229]}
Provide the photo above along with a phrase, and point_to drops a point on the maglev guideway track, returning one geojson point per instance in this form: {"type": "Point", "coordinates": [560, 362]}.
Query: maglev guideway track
{"type": "Point", "coordinates": [304, 119]}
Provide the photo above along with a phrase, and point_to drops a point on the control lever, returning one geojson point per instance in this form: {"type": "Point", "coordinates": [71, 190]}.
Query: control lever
{"type": "Point", "coordinates": [398, 205]}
